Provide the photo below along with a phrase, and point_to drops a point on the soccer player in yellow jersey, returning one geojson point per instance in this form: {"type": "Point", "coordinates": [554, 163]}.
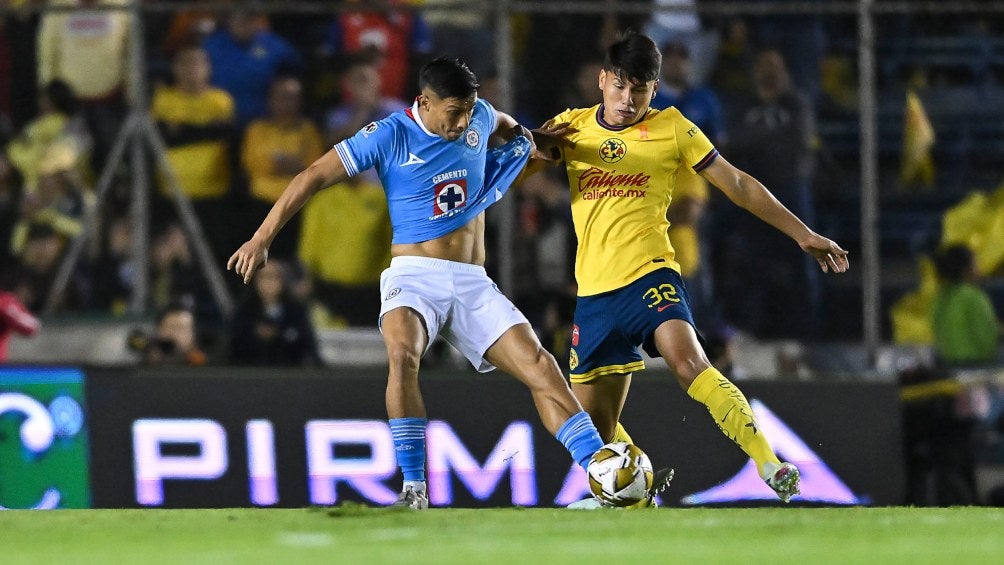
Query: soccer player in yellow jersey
{"type": "Point", "coordinates": [622, 162]}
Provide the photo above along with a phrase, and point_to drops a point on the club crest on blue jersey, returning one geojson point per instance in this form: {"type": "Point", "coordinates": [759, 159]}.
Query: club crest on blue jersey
{"type": "Point", "coordinates": [450, 197]}
{"type": "Point", "coordinates": [370, 128]}
{"type": "Point", "coordinates": [472, 138]}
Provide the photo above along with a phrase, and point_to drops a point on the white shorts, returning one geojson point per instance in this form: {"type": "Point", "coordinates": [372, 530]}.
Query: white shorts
{"type": "Point", "coordinates": [456, 300]}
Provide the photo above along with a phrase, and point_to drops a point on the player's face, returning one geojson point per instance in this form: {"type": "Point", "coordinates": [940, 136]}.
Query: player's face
{"type": "Point", "coordinates": [446, 117]}
{"type": "Point", "coordinates": [624, 100]}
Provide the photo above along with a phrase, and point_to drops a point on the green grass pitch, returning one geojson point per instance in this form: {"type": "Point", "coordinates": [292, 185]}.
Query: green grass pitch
{"type": "Point", "coordinates": [353, 534]}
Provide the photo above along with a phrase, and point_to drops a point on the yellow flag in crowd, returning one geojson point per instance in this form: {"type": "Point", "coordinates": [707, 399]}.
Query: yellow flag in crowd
{"type": "Point", "coordinates": [917, 166]}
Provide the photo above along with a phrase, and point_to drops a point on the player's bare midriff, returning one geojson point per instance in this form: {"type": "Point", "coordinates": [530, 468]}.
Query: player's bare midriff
{"type": "Point", "coordinates": [465, 245]}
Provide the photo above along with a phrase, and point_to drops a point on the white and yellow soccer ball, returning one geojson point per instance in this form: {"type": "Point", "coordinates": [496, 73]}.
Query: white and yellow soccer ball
{"type": "Point", "coordinates": [620, 474]}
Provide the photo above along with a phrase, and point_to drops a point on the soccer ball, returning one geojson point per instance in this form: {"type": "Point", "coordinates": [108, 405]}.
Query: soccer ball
{"type": "Point", "coordinates": [620, 474]}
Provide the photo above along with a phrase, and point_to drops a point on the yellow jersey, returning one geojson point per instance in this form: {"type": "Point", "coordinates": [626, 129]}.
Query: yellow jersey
{"type": "Point", "coordinates": [263, 139]}
{"type": "Point", "coordinates": [621, 181]}
{"type": "Point", "coordinates": [201, 167]}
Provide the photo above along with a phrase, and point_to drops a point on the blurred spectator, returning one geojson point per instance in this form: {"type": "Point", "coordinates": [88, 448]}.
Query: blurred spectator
{"type": "Point", "coordinates": [545, 282]}
{"type": "Point", "coordinates": [10, 211]}
{"type": "Point", "coordinates": [245, 57]}
{"type": "Point", "coordinates": [682, 25]}
{"type": "Point", "coordinates": [14, 319]}
{"type": "Point", "coordinates": [40, 258]}
{"type": "Point", "coordinates": [801, 39]}
{"type": "Point", "coordinates": [966, 328]}
{"type": "Point", "coordinates": [115, 269]}
{"type": "Point", "coordinates": [57, 138]}
{"type": "Point", "coordinates": [352, 218]}
{"type": "Point", "coordinates": [275, 149]}
{"type": "Point", "coordinates": [731, 77]}
{"type": "Point", "coordinates": [690, 195]}
{"type": "Point", "coordinates": [584, 91]}
{"type": "Point", "coordinates": [362, 100]}
{"type": "Point", "coordinates": [174, 340]}
{"type": "Point", "coordinates": [720, 344]}
{"type": "Point", "coordinates": [187, 27]}
{"type": "Point", "coordinates": [699, 103]}
{"type": "Point", "coordinates": [174, 275]}
{"type": "Point", "coordinates": [461, 33]}
{"type": "Point", "coordinates": [59, 202]}
{"type": "Point", "coordinates": [270, 327]}
{"type": "Point", "coordinates": [548, 36]}
{"type": "Point", "coordinates": [18, 38]}
{"type": "Point", "coordinates": [398, 39]}
{"type": "Point", "coordinates": [773, 138]}
{"type": "Point", "coordinates": [197, 123]}
{"type": "Point", "coordinates": [89, 50]}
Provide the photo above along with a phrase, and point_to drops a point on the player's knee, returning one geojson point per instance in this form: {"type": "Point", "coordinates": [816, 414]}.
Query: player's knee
{"type": "Point", "coordinates": [687, 368]}
{"type": "Point", "coordinates": [403, 359]}
{"type": "Point", "coordinates": [545, 372]}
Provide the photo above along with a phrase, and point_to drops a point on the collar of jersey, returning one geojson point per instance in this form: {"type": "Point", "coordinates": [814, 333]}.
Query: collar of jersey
{"type": "Point", "coordinates": [418, 119]}
{"type": "Point", "coordinates": [603, 124]}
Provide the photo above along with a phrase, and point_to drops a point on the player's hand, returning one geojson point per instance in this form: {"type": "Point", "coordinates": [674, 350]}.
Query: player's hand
{"type": "Point", "coordinates": [246, 260]}
{"type": "Point", "coordinates": [550, 138]}
{"type": "Point", "coordinates": [828, 254]}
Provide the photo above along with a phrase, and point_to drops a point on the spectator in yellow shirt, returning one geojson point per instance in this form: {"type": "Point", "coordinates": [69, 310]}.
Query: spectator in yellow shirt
{"type": "Point", "coordinates": [196, 121]}
{"type": "Point", "coordinates": [351, 217]}
{"type": "Point", "coordinates": [87, 45]}
{"type": "Point", "coordinates": [58, 134]}
{"type": "Point", "coordinates": [275, 149]}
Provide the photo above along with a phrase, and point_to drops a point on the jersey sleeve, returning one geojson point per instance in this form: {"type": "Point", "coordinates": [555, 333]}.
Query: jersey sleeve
{"type": "Point", "coordinates": [366, 149]}
{"type": "Point", "coordinates": [492, 116]}
{"type": "Point", "coordinates": [696, 150]}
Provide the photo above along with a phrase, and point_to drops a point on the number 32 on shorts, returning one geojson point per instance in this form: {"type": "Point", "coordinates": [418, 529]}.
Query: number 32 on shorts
{"type": "Point", "coordinates": [656, 296]}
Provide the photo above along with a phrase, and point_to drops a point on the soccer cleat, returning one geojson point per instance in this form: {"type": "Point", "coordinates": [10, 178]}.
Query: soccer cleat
{"type": "Point", "coordinates": [784, 481]}
{"type": "Point", "coordinates": [660, 482]}
{"type": "Point", "coordinates": [411, 498]}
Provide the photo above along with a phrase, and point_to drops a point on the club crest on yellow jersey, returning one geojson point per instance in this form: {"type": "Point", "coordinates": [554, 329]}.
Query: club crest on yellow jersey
{"type": "Point", "coordinates": [612, 150]}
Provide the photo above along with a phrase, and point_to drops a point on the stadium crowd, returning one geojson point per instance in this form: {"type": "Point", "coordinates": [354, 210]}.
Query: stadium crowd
{"type": "Point", "coordinates": [246, 98]}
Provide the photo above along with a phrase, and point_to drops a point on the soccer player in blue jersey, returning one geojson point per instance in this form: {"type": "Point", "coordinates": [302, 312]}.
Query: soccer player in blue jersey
{"type": "Point", "coordinates": [439, 175]}
{"type": "Point", "coordinates": [623, 160]}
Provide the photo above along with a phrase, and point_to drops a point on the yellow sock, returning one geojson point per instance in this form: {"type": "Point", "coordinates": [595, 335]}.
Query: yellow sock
{"type": "Point", "coordinates": [733, 415]}
{"type": "Point", "coordinates": [620, 434]}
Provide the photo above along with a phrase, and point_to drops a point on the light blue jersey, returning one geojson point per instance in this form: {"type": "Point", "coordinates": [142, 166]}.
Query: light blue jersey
{"type": "Point", "coordinates": [434, 186]}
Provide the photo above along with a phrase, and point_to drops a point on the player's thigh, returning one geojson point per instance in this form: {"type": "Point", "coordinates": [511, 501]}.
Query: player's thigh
{"type": "Point", "coordinates": [604, 397]}
{"type": "Point", "coordinates": [678, 344]}
{"type": "Point", "coordinates": [405, 336]}
{"type": "Point", "coordinates": [519, 353]}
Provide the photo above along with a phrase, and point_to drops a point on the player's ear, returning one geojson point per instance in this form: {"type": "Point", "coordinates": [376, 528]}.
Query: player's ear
{"type": "Point", "coordinates": [655, 88]}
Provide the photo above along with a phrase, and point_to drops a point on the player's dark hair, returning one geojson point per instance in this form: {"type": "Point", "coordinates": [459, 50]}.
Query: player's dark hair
{"type": "Point", "coordinates": [953, 262]}
{"type": "Point", "coordinates": [634, 57]}
{"type": "Point", "coordinates": [448, 78]}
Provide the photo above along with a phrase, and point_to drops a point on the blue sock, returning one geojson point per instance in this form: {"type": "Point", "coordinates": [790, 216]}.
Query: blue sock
{"type": "Point", "coordinates": [580, 438]}
{"type": "Point", "coordinates": [409, 446]}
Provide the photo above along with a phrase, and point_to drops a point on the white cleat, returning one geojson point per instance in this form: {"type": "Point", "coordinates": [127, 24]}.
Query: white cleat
{"type": "Point", "coordinates": [784, 481]}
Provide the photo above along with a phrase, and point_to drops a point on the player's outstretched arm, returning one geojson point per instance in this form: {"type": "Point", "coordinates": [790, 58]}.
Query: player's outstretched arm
{"type": "Point", "coordinates": [751, 194]}
{"type": "Point", "coordinates": [551, 137]}
{"type": "Point", "coordinates": [325, 171]}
